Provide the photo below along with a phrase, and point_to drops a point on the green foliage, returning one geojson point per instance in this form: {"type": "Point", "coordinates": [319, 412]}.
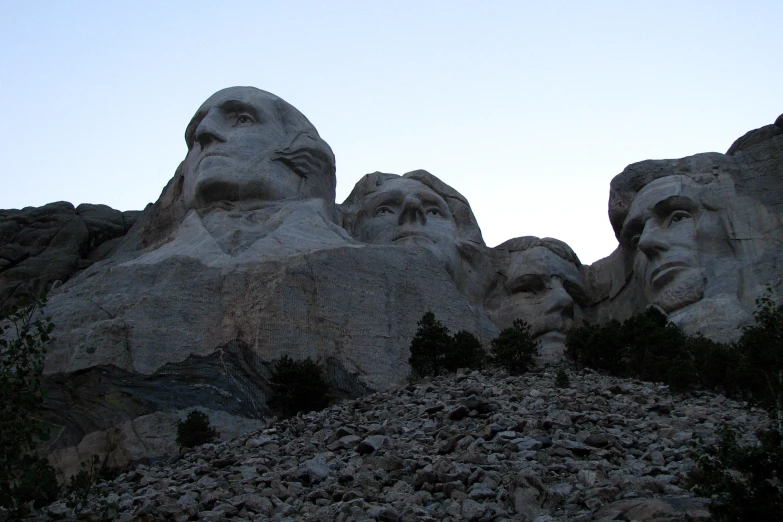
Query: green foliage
{"type": "Point", "coordinates": [80, 492]}
{"type": "Point", "coordinates": [435, 352]}
{"type": "Point", "coordinates": [648, 347]}
{"type": "Point", "coordinates": [195, 430]}
{"type": "Point", "coordinates": [430, 347]}
{"type": "Point", "coordinates": [514, 348]}
{"type": "Point", "coordinates": [465, 352]}
{"type": "Point", "coordinates": [562, 380]}
{"type": "Point", "coordinates": [24, 478]}
{"type": "Point", "coordinates": [745, 482]}
{"type": "Point", "coordinates": [298, 386]}
{"type": "Point", "coordinates": [761, 358]}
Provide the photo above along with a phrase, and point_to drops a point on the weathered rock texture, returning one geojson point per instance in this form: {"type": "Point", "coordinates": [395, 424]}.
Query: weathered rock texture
{"type": "Point", "coordinates": [700, 237]}
{"type": "Point", "coordinates": [477, 447]}
{"type": "Point", "coordinates": [46, 245]}
{"type": "Point", "coordinates": [246, 257]}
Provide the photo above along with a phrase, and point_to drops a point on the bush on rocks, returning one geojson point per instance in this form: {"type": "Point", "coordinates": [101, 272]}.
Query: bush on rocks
{"type": "Point", "coordinates": [435, 352]}
{"type": "Point", "coordinates": [195, 430]}
{"type": "Point", "coordinates": [514, 348]}
{"type": "Point", "coordinates": [430, 347]}
{"type": "Point", "coordinates": [298, 386]}
{"type": "Point", "coordinates": [648, 347]}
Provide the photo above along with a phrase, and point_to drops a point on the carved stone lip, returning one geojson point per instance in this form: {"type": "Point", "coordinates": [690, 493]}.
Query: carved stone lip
{"type": "Point", "coordinates": [411, 233]}
{"type": "Point", "coordinates": [664, 273]}
{"type": "Point", "coordinates": [209, 154]}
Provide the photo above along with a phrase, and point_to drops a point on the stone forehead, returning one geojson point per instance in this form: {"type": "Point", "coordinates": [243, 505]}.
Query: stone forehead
{"type": "Point", "coordinates": [560, 248]}
{"type": "Point", "coordinates": [467, 226]}
{"type": "Point", "coordinates": [701, 169]}
{"type": "Point", "coordinates": [542, 260]}
{"type": "Point", "coordinates": [278, 107]}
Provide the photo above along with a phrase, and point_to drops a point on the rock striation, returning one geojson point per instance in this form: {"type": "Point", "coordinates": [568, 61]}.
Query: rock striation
{"type": "Point", "coordinates": [246, 257]}
{"type": "Point", "coordinates": [481, 446]}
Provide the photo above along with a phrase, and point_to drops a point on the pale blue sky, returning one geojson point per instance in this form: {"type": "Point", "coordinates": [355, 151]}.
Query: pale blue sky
{"type": "Point", "coordinates": [527, 108]}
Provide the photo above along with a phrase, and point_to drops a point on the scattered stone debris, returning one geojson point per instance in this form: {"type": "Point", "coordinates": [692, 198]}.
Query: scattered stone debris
{"type": "Point", "coordinates": [481, 446]}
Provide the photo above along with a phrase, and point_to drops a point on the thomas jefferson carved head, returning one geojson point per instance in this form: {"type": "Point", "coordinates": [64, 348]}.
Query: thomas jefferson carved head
{"type": "Point", "coordinates": [245, 144]}
{"type": "Point", "coordinates": [414, 209]}
{"type": "Point", "coordinates": [683, 226]}
{"type": "Point", "coordinates": [542, 286]}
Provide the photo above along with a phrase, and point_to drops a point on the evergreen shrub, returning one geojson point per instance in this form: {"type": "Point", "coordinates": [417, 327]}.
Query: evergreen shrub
{"type": "Point", "coordinates": [195, 430]}
{"type": "Point", "coordinates": [298, 386]}
{"type": "Point", "coordinates": [514, 348]}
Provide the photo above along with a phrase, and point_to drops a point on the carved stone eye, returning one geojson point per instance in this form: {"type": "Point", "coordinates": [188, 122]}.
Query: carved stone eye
{"type": "Point", "coordinates": [383, 210]}
{"type": "Point", "coordinates": [434, 211]}
{"type": "Point", "coordinates": [244, 118]}
{"type": "Point", "coordinates": [678, 216]}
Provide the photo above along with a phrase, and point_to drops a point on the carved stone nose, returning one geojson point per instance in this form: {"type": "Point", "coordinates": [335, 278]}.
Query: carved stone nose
{"type": "Point", "coordinates": [560, 301]}
{"type": "Point", "coordinates": [412, 211]}
{"type": "Point", "coordinates": [208, 131]}
{"type": "Point", "coordinates": [651, 242]}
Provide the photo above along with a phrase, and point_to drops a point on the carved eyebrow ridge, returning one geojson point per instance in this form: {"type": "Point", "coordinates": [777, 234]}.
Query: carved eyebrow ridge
{"type": "Point", "coordinates": [225, 107]}
{"type": "Point", "coordinates": [239, 106]}
{"type": "Point", "coordinates": [678, 202]}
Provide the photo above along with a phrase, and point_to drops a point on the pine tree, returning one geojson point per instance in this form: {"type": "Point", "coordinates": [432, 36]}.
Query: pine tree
{"type": "Point", "coordinates": [430, 347]}
{"type": "Point", "coordinates": [514, 348]}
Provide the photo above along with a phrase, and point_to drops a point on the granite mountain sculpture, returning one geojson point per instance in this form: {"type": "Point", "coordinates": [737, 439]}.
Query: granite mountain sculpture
{"type": "Point", "coordinates": [541, 284]}
{"type": "Point", "coordinates": [246, 257]}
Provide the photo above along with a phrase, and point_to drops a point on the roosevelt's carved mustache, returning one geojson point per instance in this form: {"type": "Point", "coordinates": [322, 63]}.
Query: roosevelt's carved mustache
{"type": "Point", "coordinates": [549, 323]}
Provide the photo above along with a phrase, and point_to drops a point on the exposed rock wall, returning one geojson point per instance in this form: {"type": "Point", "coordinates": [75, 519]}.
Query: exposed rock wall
{"type": "Point", "coordinates": [40, 246]}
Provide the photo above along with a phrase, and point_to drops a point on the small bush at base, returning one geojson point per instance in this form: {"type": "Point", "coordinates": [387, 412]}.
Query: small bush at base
{"type": "Point", "coordinates": [514, 348]}
{"type": "Point", "coordinates": [298, 386]}
{"type": "Point", "coordinates": [195, 430]}
{"type": "Point", "coordinates": [465, 352]}
{"type": "Point", "coordinates": [562, 381]}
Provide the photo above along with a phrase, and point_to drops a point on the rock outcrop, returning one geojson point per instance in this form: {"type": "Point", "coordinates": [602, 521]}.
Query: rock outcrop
{"type": "Point", "coordinates": [481, 446]}
{"type": "Point", "coordinates": [45, 246]}
{"type": "Point", "coordinates": [700, 237]}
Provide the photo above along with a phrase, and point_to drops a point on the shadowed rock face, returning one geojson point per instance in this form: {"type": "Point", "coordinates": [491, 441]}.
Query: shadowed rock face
{"type": "Point", "coordinates": [43, 246]}
{"type": "Point", "coordinates": [540, 284]}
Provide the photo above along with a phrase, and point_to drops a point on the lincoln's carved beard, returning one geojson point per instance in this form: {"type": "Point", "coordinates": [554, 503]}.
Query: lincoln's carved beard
{"type": "Point", "coordinates": [687, 289]}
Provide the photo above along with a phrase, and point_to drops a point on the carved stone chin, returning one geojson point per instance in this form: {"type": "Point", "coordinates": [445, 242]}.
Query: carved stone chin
{"type": "Point", "coordinates": [686, 290]}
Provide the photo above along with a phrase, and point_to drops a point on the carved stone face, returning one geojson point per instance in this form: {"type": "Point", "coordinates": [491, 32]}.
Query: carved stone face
{"type": "Point", "coordinates": [230, 140]}
{"type": "Point", "coordinates": [672, 237]}
{"type": "Point", "coordinates": [543, 290]}
{"type": "Point", "coordinates": [408, 212]}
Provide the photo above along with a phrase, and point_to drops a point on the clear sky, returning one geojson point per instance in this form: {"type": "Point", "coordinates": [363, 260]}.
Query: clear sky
{"type": "Point", "coordinates": [527, 108]}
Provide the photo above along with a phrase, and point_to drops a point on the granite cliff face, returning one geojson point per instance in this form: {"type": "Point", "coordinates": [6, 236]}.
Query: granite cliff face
{"type": "Point", "coordinates": [246, 257]}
